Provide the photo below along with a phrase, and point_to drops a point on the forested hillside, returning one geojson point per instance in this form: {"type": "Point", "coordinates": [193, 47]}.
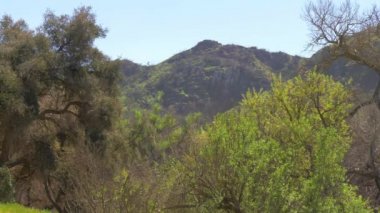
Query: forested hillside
{"type": "Point", "coordinates": [216, 128]}
{"type": "Point", "coordinates": [209, 77]}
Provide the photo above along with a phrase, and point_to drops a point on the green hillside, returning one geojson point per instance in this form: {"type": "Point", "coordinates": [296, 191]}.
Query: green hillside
{"type": "Point", "coordinates": [209, 77]}
{"type": "Point", "coordinates": [215, 128]}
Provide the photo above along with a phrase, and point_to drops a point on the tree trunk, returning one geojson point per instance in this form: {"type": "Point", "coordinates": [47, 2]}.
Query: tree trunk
{"type": "Point", "coordinates": [5, 148]}
{"type": "Point", "coordinates": [376, 94]}
{"type": "Point", "coordinates": [10, 136]}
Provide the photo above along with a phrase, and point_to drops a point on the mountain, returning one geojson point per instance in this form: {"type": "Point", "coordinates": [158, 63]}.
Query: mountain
{"type": "Point", "coordinates": [342, 69]}
{"type": "Point", "coordinates": [208, 78]}
{"type": "Point", "coordinates": [212, 78]}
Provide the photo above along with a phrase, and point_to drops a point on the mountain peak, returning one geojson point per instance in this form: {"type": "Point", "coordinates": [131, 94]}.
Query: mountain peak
{"type": "Point", "coordinates": [206, 44]}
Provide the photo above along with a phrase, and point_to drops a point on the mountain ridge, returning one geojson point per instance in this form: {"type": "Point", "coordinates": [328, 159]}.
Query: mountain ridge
{"type": "Point", "coordinates": [211, 77]}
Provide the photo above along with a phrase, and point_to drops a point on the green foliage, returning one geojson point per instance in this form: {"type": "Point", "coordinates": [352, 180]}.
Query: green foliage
{"type": "Point", "coordinates": [153, 133]}
{"type": "Point", "coordinates": [58, 103]}
{"type": "Point", "coordinates": [10, 94]}
{"type": "Point", "coordinates": [280, 152]}
{"type": "Point", "coordinates": [6, 186]}
{"type": "Point", "coordinates": [134, 195]}
{"type": "Point", "coordinates": [209, 78]}
{"type": "Point", "coordinates": [55, 70]}
{"type": "Point", "coordinates": [155, 140]}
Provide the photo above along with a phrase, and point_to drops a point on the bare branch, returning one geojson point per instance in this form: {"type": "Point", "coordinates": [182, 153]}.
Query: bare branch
{"type": "Point", "coordinates": [348, 34]}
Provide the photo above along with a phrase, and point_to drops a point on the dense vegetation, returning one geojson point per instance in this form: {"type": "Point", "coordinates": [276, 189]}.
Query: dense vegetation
{"type": "Point", "coordinates": [57, 105]}
{"type": "Point", "coordinates": [208, 78]}
{"type": "Point", "coordinates": [78, 136]}
{"type": "Point", "coordinates": [280, 151]}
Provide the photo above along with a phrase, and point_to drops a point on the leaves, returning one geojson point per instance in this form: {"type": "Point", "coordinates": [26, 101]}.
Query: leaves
{"type": "Point", "coordinates": [281, 151]}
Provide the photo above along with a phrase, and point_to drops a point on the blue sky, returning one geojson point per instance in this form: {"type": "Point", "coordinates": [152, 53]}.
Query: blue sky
{"type": "Point", "coordinates": [150, 31]}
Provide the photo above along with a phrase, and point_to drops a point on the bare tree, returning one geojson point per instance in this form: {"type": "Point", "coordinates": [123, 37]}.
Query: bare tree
{"type": "Point", "coordinates": [347, 32]}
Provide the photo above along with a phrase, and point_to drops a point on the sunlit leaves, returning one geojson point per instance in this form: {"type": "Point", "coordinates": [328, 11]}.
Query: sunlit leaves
{"type": "Point", "coordinates": [281, 151]}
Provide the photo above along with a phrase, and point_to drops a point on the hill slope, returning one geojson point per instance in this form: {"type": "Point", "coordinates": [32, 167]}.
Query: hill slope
{"type": "Point", "coordinates": [212, 78]}
{"type": "Point", "coordinates": [209, 77]}
{"type": "Point", "coordinates": [363, 78]}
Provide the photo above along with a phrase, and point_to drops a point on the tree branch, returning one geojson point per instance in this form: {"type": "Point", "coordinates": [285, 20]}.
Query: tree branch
{"type": "Point", "coordinates": [50, 196]}
{"type": "Point", "coordinates": [357, 108]}
{"type": "Point", "coordinates": [375, 99]}
{"type": "Point", "coordinates": [64, 110]}
{"type": "Point", "coordinates": [14, 163]}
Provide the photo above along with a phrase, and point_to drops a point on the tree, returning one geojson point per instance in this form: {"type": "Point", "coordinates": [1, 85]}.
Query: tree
{"type": "Point", "coordinates": [347, 33]}
{"type": "Point", "coordinates": [57, 91]}
{"type": "Point", "coordinates": [281, 151]}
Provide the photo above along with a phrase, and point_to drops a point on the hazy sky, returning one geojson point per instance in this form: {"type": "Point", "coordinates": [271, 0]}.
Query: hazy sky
{"type": "Point", "coordinates": [153, 30]}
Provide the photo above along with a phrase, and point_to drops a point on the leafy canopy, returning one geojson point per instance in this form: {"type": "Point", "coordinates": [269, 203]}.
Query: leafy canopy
{"type": "Point", "coordinates": [281, 151]}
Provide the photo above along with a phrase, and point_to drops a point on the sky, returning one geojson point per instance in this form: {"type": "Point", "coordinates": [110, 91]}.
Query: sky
{"type": "Point", "coordinates": [150, 31]}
